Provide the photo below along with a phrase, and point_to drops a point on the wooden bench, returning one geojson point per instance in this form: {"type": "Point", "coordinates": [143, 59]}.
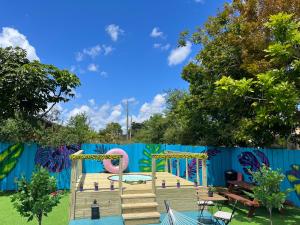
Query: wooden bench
{"type": "Point", "coordinates": [252, 204]}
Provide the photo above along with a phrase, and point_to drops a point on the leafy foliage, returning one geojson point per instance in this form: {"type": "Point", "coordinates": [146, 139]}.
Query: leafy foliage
{"type": "Point", "coordinates": [9, 159]}
{"type": "Point", "coordinates": [36, 198]}
{"type": "Point", "coordinates": [244, 82]}
{"type": "Point", "coordinates": [267, 191]}
{"type": "Point", "coordinates": [112, 133]}
{"type": "Point", "coordinates": [27, 88]}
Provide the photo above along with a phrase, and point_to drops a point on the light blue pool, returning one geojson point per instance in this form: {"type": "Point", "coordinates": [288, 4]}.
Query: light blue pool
{"type": "Point", "coordinates": [131, 177]}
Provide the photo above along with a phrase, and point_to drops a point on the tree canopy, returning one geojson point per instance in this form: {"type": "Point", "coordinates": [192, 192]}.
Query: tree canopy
{"type": "Point", "coordinates": [31, 88]}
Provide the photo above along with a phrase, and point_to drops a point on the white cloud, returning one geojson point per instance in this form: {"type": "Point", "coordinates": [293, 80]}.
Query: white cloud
{"type": "Point", "coordinates": [92, 67]}
{"type": "Point", "coordinates": [156, 33]}
{"type": "Point", "coordinates": [114, 31]}
{"type": "Point", "coordinates": [93, 51]}
{"type": "Point", "coordinates": [178, 55]}
{"type": "Point", "coordinates": [107, 49]}
{"type": "Point", "coordinates": [12, 37]}
{"type": "Point", "coordinates": [161, 47]}
{"type": "Point", "coordinates": [103, 74]}
{"type": "Point", "coordinates": [79, 56]}
{"type": "Point", "coordinates": [100, 115]}
{"type": "Point", "coordinates": [157, 105]}
{"type": "Point", "coordinates": [200, 1]}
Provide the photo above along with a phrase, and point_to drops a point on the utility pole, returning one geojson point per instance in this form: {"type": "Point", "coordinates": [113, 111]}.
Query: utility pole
{"type": "Point", "coordinates": [130, 131]}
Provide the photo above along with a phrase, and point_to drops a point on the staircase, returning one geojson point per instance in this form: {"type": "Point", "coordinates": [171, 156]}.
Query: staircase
{"type": "Point", "coordinates": [139, 208]}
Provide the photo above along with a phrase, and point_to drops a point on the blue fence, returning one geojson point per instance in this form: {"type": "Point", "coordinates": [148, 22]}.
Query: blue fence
{"type": "Point", "coordinates": [17, 160]}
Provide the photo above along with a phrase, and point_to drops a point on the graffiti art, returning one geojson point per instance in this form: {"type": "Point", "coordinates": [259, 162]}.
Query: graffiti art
{"type": "Point", "coordinates": [293, 177]}
{"type": "Point", "coordinates": [55, 159]}
{"type": "Point", "coordinates": [146, 162]}
{"type": "Point", "coordinates": [251, 162]}
{"type": "Point", "coordinates": [9, 159]}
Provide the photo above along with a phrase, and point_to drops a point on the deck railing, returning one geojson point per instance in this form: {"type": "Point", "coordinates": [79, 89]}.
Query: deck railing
{"type": "Point", "coordinates": [76, 172]}
{"type": "Point", "coordinates": [169, 155]}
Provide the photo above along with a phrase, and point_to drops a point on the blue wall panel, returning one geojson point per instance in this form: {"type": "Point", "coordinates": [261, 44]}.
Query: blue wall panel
{"type": "Point", "coordinates": [220, 160]}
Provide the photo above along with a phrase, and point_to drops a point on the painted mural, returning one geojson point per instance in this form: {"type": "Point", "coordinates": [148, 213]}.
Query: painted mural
{"type": "Point", "coordinates": [9, 159]}
{"type": "Point", "coordinates": [192, 163]}
{"type": "Point", "coordinates": [293, 177]}
{"type": "Point", "coordinates": [252, 161]}
{"type": "Point", "coordinates": [57, 159]}
{"type": "Point", "coordinates": [145, 163]}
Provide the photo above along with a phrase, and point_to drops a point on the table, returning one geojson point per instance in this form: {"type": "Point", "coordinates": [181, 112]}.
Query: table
{"type": "Point", "coordinates": [203, 196]}
{"type": "Point", "coordinates": [241, 184]}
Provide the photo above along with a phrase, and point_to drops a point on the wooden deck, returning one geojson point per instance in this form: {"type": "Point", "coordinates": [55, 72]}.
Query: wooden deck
{"type": "Point", "coordinates": [89, 179]}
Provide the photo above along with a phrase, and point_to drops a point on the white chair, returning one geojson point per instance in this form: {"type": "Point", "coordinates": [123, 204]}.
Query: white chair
{"type": "Point", "coordinates": [226, 217]}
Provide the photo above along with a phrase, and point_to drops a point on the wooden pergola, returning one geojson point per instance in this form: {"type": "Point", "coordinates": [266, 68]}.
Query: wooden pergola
{"type": "Point", "coordinates": [169, 155]}
{"type": "Point", "coordinates": [76, 172]}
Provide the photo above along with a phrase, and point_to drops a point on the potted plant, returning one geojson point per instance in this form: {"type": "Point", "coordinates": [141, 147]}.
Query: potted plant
{"type": "Point", "coordinates": [112, 187]}
{"type": "Point", "coordinates": [163, 184]}
{"type": "Point", "coordinates": [96, 186]}
{"type": "Point", "coordinates": [81, 186]}
{"type": "Point", "coordinates": [178, 183]}
{"type": "Point", "coordinates": [211, 191]}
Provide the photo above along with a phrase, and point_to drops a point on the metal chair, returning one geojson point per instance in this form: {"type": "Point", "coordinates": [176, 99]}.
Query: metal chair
{"type": "Point", "coordinates": [225, 217]}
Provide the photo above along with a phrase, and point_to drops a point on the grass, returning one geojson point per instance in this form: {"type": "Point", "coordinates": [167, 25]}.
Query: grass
{"type": "Point", "coordinates": [9, 216]}
{"type": "Point", "coordinates": [59, 215]}
{"type": "Point", "coordinates": [291, 216]}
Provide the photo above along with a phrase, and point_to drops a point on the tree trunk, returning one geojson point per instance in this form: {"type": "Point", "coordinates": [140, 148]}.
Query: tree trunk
{"type": "Point", "coordinates": [270, 211]}
{"type": "Point", "coordinates": [40, 219]}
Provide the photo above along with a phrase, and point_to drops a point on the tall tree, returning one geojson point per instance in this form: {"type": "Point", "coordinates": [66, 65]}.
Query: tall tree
{"type": "Point", "coordinates": [31, 88]}
{"type": "Point", "coordinates": [233, 45]}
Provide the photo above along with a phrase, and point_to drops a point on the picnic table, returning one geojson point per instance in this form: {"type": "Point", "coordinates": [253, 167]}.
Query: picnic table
{"type": "Point", "coordinates": [240, 184]}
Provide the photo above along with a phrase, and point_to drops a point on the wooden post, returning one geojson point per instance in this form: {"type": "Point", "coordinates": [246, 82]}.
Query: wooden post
{"type": "Point", "coordinates": [178, 168]}
{"type": "Point", "coordinates": [186, 169]}
{"type": "Point", "coordinates": [204, 176]}
{"type": "Point", "coordinates": [166, 166]}
{"type": "Point", "coordinates": [153, 175]}
{"type": "Point", "coordinates": [73, 189]}
{"type": "Point", "coordinates": [121, 175]}
{"type": "Point", "coordinates": [197, 170]}
{"type": "Point", "coordinates": [170, 166]}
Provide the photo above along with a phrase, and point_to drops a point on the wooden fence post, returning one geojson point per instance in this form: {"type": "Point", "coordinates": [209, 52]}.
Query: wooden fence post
{"type": "Point", "coordinates": [166, 166]}
{"type": "Point", "coordinates": [73, 189]}
{"type": "Point", "coordinates": [121, 175]}
{"type": "Point", "coordinates": [153, 174]}
{"type": "Point", "coordinates": [204, 174]}
{"type": "Point", "coordinates": [197, 170]}
{"type": "Point", "coordinates": [186, 169]}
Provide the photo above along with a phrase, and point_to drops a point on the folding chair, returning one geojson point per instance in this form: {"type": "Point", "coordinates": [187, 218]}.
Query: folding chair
{"type": "Point", "coordinates": [225, 217]}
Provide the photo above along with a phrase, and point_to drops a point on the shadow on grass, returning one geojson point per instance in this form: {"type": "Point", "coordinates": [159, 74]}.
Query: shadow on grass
{"type": "Point", "coordinates": [7, 193]}
{"type": "Point", "coordinates": [291, 216]}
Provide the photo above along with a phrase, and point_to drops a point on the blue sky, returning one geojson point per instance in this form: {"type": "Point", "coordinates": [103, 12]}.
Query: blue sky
{"type": "Point", "coordinates": [119, 49]}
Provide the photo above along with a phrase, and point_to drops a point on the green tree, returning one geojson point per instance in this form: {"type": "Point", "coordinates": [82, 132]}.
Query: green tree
{"type": "Point", "coordinates": [233, 44]}
{"type": "Point", "coordinates": [267, 191]}
{"type": "Point", "coordinates": [36, 198]}
{"type": "Point", "coordinates": [153, 130]}
{"type": "Point", "coordinates": [112, 133]}
{"type": "Point", "coordinates": [76, 131]}
{"type": "Point", "coordinates": [271, 97]}
{"type": "Point", "coordinates": [29, 88]}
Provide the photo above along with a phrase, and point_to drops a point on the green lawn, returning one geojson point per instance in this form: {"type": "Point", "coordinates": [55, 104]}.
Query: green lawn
{"type": "Point", "coordinates": [9, 216]}
{"type": "Point", "coordinates": [59, 216]}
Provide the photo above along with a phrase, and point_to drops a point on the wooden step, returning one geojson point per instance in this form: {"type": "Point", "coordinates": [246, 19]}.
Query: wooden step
{"type": "Point", "coordinates": [141, 218]}
{"type": "Point", "coordinates": [139, 207]}
{"type": "Point", "coordinates": [138, 198]}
